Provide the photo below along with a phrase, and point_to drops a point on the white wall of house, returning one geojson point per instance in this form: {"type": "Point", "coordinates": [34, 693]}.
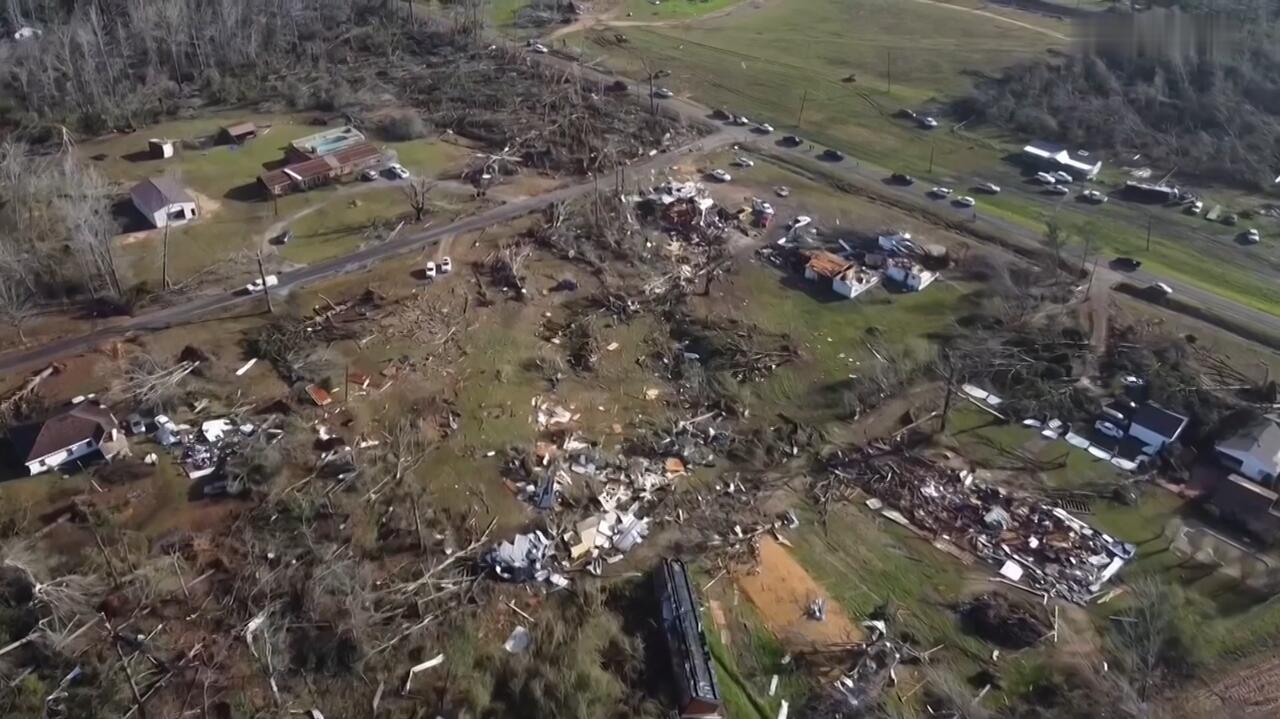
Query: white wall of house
{"type": "Point", "coordinates": [175, 214]}
{"type": "Point", "coordinates": [1252, 467]}
{"type": "Point", "coordinates": [851, 290]}
{"type": "Point", "coordinates": [53, 461]}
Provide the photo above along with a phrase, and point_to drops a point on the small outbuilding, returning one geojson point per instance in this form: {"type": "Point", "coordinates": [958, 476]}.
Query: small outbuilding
{"type": "Point", "coordinates": [238, 134]}
{"type": "Point", "coordinates": [164, 202]}
{"type": "Point", "coordinates": [161, 149]}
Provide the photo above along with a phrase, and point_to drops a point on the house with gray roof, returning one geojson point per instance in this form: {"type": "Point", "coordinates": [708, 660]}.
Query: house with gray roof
{"type": "Point", "coordinates": [164, 202]}
{"type": "Point", "coordinates": [1253, 452]}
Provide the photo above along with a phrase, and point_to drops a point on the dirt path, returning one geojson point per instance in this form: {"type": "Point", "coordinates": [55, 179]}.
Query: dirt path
{"type": "Point", "coordinates": [998, 18]}
{"type": "Point", "coordinates": [782, 591]}
{"type": "Point", "coordinates": [610, 17]}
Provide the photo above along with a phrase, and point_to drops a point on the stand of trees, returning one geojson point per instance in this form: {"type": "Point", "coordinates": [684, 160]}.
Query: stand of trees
{"type": "Point", "coordinates": [1202, 96]}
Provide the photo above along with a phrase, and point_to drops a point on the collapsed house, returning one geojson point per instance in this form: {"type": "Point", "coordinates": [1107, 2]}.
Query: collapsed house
{"type": "Point", "coordinates": [697, 693]}
{"type": "Point", "coordinates": [1042, 548]}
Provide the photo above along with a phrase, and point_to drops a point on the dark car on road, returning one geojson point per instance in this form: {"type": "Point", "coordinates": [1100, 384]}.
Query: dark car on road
{"type": "Point", "coordinates": [1126, 264]}
{"type": "Point", "coordinates": [902, 179]}
{"type": "Point", "coordinates": [832, 155]}
{"type": "Point", "coordinates": [791, 141]}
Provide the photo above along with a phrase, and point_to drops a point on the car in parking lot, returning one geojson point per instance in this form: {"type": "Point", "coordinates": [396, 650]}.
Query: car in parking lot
{"type": "Point", "coordinates": [721, 175]}
{"type": "Point", "coordinates": [1108, 429]}
{"type": "Point", "coordinates": [965, 201]}
{"type": "Point", "coordinates": [1062, 177]}
{"type": "Point", "coordinates": [1057, 190]}
{"type": "Point", "coordinates": [1045, 178]}
{"type": "Point", "coordinates": [940, 191]}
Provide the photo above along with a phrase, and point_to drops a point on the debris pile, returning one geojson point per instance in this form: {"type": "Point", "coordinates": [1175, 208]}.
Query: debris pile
{"type": "Point", "coordinates": [1036, 546]}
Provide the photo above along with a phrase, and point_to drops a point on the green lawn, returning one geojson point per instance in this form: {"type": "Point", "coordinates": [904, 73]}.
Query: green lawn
{"type": "Point", "coordinates": [675, 9]}
{"type": "Point", "coordinates": [235, 216]}
{"type": "Point", "coordinates": [984, 440]}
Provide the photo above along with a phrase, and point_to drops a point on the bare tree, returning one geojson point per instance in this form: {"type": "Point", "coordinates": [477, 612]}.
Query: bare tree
{"type": "Point", "coordinates": [416, 192]}
{"type": "Point", "coordinates": [16, 305]}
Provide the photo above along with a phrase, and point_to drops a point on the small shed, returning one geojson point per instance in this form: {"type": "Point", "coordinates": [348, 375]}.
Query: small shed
{"type": "Point", "coordinates": [160, 149]}
{"type": "Point", "coordinates": [238, 134]}
{"type": "Point", "coordinates": [163, 202]}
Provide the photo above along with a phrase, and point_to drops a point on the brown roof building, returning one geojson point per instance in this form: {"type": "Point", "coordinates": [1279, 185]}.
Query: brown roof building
{"type": "Point", "coordinates": [238, 133]}
{"type": "Point", "coordinates": [82, 429]}
{"type": "Point", "coordinates": [309, 174]}
{"type": "Point", "coordinates": [823, 264]}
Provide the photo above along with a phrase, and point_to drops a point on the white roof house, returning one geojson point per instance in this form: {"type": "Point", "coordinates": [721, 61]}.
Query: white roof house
{"type": "Point", "coordinates": [163, 202]}
{"type": "Point", "coordinates": [1056, 156]}
{"type": "Point", "coordinates": [1253, 452]}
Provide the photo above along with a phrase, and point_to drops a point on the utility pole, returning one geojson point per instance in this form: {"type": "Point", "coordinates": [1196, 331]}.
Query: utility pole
{"type": "Point", "coordinates": [951, 382]}
{"type": "Point", "coordinates": [888, 68]}
{"type": "Point", "coordinates": [803, 99]}
{"type": "Point", "coordinates": [266, 291]}
{"type": "Point", "coordinates": [933, 144]}
{"type": "Point", "coordinates": [164, 259]}
{"type": "Point", "coordinates": [1148, 232]}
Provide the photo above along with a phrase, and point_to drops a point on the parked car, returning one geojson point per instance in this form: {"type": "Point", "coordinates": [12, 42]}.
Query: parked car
{"type": "Point", "coordinates": [1062, 177]}
{"type": "Point", "coordinates": [832, 155]}
{"type": "Point", "coordinates": [1094, 196]}
{"type": "Point", "coordinates": [1251, 237]}
{"type": "Point", "coordinates": [663, 93]}
{"type": "Point", "coordinates": [429, 270]}
{"type": "Point", "coordinates": [1108, 429]}
{"type": "Point", "coordinates": [1230, 219]}
{"type": "Point", "coordinates": [538, 48]}
{"type": "Point", "coordinates": [721, 175]}
{"type": "Point", "coordinates": [284, 238]}
{"type": "Point", "coordinates": [902, 179]}
{"type": "Point", "coordinates": [137, 425]}
{"type": "Point", "coordinates": [782, 191]}
{"type": "Point", "coordinates": [940, 192]}
{"type": "Point", "coordinates": [1058, 190]}
{"type": "Point", "coordinates": [990, 188]}
{"type": "Point", "coordinates": [446, 265]}
{"type": "Point", "coordinates": [369, 175]}
{"type": "Point", "coordinates": [1126, 264]}
{"type": "Point", "coordinates": [741, 120]}
{"type": "Point", "coordinates": [1045, 178]}
{"type": "Point", "coordinates": [720, 114]}
{"type": "Point", "coordinates": [1195, 207]}
{"type": "Point", "coordinates": [965, 201]}
{"type": "Point", "coordinates": [397, 170]}
{"type": "Point", "coordinates": [764, 128]}
{"type": "Point", "coordinates": [743, 161]}
{"type": "Point", "coordinates": [257, 286]}
{"type": "Point", "coordinates": [928, 123]}
{"type": "Point", "coordinates": [791, 140]}
{"type": "Point", "coordinates": [1160, 289]}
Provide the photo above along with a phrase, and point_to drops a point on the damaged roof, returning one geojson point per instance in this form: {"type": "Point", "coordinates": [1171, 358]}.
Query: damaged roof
{"type": "Point", "coordinates": [827, 264]}
{"type": "Point", "coordinates": [1260, 439]}
{"type": "Point", "coordinates": [84, 421]}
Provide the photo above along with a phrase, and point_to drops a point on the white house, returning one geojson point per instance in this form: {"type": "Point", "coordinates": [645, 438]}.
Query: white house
{"type": "Point", "coordinates": [1156, 426]}
{"type": "Point", "coordinates": [911, 276]}
{"type": "Point", "coordinates": [163, 202]}
{"type": "Point", "coordinates": [854, 281]}
{"type": "Point", "coordinates": [1254, 452]}
{"type": "Point", "coordinates": [81, 430]}
{"type": "Point", "coordinates": [1056, 157]}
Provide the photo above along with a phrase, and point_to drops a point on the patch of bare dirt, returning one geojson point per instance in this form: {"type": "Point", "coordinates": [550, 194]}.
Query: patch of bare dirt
{"type": "Point", "coordinates": [781, 590]}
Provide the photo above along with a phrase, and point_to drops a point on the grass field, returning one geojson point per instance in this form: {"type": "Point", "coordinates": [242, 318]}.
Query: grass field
{"type": "Point", "coordinates": [234, 216]}
{"type": "Point", "coordinates": [674, 9]}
